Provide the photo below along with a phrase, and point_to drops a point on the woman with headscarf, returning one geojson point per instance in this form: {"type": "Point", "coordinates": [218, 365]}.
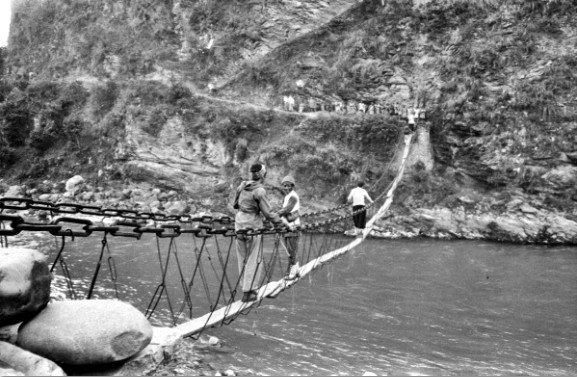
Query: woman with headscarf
{"type": "Point", "coordinates": [253, 207]}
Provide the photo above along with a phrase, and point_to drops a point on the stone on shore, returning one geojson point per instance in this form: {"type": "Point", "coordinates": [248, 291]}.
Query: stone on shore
{"type": "Point", "coordinates": [86, 332]}
{"type": "Point", "coordinates": [24, 284]}
{"type": "Point", "coordinates": [27, 363]}
{"type": "Point", "coordinates": [14, 192]}
{"type": "Point", "coordinates": [73, 185]}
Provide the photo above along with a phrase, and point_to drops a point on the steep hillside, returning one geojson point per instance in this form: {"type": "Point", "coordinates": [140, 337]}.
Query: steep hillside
{"type": "Point", "coordinates": [200, 41]}
{"type": "Point", "coordinates": [183, 95]}
{"type": "Point", "coordinates": [486, 72]}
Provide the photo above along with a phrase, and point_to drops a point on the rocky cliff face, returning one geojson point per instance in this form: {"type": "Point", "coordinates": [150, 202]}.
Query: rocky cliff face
{"type": "Point", "coordinates": [183, 95]}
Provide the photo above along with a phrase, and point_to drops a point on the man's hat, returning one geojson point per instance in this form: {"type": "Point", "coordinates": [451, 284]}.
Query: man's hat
{"type": "Point", "coordinates": [259, 169]}
{"type": "Point", "coordinates": [288, 179]}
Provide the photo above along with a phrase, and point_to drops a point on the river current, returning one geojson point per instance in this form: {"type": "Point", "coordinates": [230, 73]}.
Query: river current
{"type": "Point", "coordinates": [402, 307]}
{"type": "Point", "coordinates": [419, 307]}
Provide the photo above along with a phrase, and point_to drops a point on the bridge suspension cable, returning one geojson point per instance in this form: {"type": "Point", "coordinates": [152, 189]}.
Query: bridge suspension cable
{"type": "Point", "coordinates": [197, 280]}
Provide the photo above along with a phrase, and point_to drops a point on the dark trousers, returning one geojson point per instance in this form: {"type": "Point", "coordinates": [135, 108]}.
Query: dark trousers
{"type": "Point", "coordinates": [359, 217]}
{"type": "Point", "coordinates": [292, 241]}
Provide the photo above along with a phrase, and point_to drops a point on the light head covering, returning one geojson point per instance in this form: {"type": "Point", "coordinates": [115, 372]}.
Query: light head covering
{"type": "Point", "coordinates": [288, 179]}
{"type": "Point", "coordinates": [258, 171]}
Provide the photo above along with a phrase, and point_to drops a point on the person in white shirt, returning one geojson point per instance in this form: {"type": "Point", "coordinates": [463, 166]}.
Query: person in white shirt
{"type": "Point", "coordinates": [357, 198]}
{"type": "Point", "coordinates": [289, 214]}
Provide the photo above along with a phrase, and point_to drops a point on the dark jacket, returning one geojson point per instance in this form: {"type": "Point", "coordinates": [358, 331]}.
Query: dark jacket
{"type": "Point", "coordinates": [253, 205]}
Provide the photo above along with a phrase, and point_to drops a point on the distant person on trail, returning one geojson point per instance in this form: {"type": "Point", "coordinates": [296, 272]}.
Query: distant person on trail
{"type": "Point", "coordinates": [357, 198]}
{"type": "Point", "coordinates": [291, 103]}
{"type": "Point", "coordinates": [412, 116]}
{"type": "Point", "coordinates": [252, 204]}
{"type": "Point", "coordinates": [312, 104]}
{"type": "Point", "coordinates": [351, 108]}
{"type": "Point", "coordinates": [338, 107]}
{"type": "Point", "coordinates": [290, 216]}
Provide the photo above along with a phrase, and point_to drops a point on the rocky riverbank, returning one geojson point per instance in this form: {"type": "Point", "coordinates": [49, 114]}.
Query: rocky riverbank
{"type": "Point", "coordinates": [519, 219]}
{"type": "Point", "coordinates": [503, 217]}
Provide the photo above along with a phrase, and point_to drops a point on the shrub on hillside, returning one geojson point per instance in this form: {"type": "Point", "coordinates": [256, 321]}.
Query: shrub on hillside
{"type": "Point", "coordinates": [178, 92]}
{"type": "Point", "coordinates": [5, 89]}
{"type": "Point", "coordinates": [546, 8]}
{"type": "Point", "coordinates": [72, 128]}
{"type": "Point", "coordinates": [16, 121]}
{"type": "Point", "coordinates": [438, 17]}
{"type": "Point", "coordinates": [43, 91]}
{"type": "Point", "coordinates": [155, 120]}
{"type": "Point", "coordinates": [370, 134]}
{"type": "Point", "coordinates": [7, 154]}
{"type": "Point", "coordinates": [103, 98]}
{"type": "Point", "coordinates": [291, 145]}
{"type": "Point", "coordinates": [150, 93]}
{"type": "Point", "coordinates": [73, 95]}
{"type": "Point", "coordinates": [322, 169]}
{"type": "Point", "coordinates": [419, 179]}
{"type": "Point", "coordinates": [49, 129]}
{"type": "Point", "coordinates": [113, 124]}
{"type": "Point", "coordinates": [241, 152]}
{"type": "Point", "coordinates": [534, 98]}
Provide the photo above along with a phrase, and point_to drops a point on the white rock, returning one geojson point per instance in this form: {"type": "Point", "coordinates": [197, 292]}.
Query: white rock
{"type": "Point", "coordinates": [73, 184]}
{"type": "Point", "coordinates": [213, 340]}
{"type": "Point", "coordinates": [86, 332]}
{"type": "Point", "coordinates": [14, 192]}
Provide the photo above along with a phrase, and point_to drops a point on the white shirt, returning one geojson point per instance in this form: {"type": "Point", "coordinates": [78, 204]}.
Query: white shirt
{"type": "Point", "coordinates": [296, 208]}
{"type": "Point", "coordinates": [358, 196]}
{"type": "Point", "coordinates": [411, 115]}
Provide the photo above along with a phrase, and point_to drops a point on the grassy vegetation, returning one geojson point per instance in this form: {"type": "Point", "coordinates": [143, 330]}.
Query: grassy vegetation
{"type": "Point", "coordinates": [495, 69]}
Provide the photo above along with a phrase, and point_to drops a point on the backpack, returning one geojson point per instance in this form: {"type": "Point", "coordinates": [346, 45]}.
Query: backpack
{"type": "Point", "coordinates": [237, 195]}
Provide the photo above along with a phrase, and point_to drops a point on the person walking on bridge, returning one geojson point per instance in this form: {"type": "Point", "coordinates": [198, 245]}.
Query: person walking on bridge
{"type": "Point", "coordinates": [290, 216]}
{"type": "Point", "coordinates": [253, 206]}
{"type": "Point", "coordinates": [357, 198]}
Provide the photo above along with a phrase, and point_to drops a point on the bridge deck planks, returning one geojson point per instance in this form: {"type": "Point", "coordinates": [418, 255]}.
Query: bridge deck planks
{"type": "Point", "coordinates": [274, 288]}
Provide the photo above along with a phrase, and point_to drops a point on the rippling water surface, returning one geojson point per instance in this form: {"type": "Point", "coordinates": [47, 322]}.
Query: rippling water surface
{"type": "Point", "coordinates": [420, 307]}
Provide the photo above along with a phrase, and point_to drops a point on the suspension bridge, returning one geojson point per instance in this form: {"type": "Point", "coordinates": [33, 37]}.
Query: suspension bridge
{"type": "Point", "coordinates": [197, 283]}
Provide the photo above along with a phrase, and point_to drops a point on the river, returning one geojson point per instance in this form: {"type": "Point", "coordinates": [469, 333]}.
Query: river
{"type": "Point", "coordinates": [402, 307]}
{"type": "Point", "coordinates": [419, 307]}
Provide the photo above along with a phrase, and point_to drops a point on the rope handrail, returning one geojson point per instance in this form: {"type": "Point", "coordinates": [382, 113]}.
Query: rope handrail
{"type": "Point", "coordinates": [207, 278]}
{"type": "Point", "coordinates": [18, 224]}
{"type": "Point", "coordinates": [273, 289]}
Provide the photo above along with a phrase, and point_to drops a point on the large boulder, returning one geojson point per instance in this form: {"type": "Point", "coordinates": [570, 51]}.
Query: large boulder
{"type": "Point", "coordinates": [24, 284]}
{"type": "Point", "coordinates": [73, 185]}
{"type": "Point", "coordinates": [86, 332]}
{"type": "Point", "coordinates": [27, 363]}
